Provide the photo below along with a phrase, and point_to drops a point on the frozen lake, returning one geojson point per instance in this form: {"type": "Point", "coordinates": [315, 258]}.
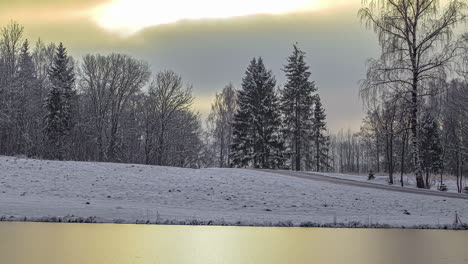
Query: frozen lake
{"type": "Point", "coordinates": [51, 243]}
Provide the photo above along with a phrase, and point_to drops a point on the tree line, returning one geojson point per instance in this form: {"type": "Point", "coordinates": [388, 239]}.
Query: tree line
{"type": "Point", "coordinates": [54, 107]}
{"type": "Point", "coordinates": [415, 95]}
{"type": "Point", "coordinates": [111, 108]}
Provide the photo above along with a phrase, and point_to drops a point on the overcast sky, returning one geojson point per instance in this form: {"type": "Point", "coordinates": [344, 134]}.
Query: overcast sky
{"type": "Point", "coordinates": [212, 48]}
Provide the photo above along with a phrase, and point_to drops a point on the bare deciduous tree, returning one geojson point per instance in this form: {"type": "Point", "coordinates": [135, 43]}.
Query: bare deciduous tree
{"type": "Point", "coordinates": [167, 97]}
{"type": "Point", "coordinates": [109, 82]}
{"type": "Point", "coordinates": [220, 123]}
{"type": "Point", "coordinates": [11, 40]}
{"type": "Point", "coordinates": [415, 39]}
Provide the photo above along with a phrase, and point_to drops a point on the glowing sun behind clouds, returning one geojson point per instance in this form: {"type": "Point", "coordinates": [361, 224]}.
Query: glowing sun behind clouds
{"type": "Point", "coordinates": [129, 16]}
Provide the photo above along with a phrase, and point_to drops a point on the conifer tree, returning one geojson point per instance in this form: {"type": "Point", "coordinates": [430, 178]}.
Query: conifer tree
{"type": "Point", "coordinates": [296, 104]}
{"type": "Point", "coordinates": [62, 76]}
{"type": "Point", "coordinates": [256, 134]}
{"type": "Point", "coordinates": [59, 103]}
{"type": "Point", "coordinates": [26, 70]}
{"type": "Point", "coordinates": [54, 128]}
{"type": "Point", "coordinates": [319, 137]}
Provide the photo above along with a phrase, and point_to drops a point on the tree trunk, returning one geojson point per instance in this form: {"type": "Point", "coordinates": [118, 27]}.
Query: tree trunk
{"type": "Point", "coordinates": [221, 149]}
{"type": "Point", "coordinates": [441, 179]}
{"type": "Point", "coordinates": [390, 155]}
{"type": "Point", "coordinates": [317, 149]}
{"type": "Point", "coordinates": [428, 186]}
{"type": "Point", "coordinates": [112, 146]}
{"type": "Point", "coordinates": [415, 136]}
{"type": "Point", "coordinates": [160, 154]}
{"type": "Point", "coordinates": [358, 160]}
{"type": "Point", "coordinates": [147, 143]}
{"type": "Point", "coordinates": [298, 148]}
{"type": "Point", "coordinates": [101, 147]}
{"type": "Point", "coordinates": [378, 152]}
{"type": "Point", "coordinates": [459, 171]}
{"type": "Point", "coordinates": [402, 168]}
{"type": "Point", "coordinates": [228, 147]}
{"type": "Point", "coordinates": [341, 157]}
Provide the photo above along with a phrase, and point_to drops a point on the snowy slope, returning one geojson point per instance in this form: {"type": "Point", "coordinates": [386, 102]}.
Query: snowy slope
{"type": "Point", "coordinates": [126, 193]}
{"type": "Point", "coordinates": [408, 181]}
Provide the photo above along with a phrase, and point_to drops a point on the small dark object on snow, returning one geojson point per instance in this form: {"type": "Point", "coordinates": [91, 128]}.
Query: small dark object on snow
{"type": "Point", "coordinates": [443, 188]}
{"type": "Point", "coordinates": [88, 203]}
{"type": "Point", "coordinates": [406, 212]}
{"type": "Point", "coordinates": [268, 210]}
{"type": "Point", "coordinates": [458, 220]}
{"type": "Point", "coordinates": [371, 175]}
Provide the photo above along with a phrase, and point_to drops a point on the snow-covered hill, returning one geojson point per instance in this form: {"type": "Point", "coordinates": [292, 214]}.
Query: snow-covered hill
{"type": "Point", "coordinates": [127, 193]}
{"type": "Point", "coordinates": [409, 181]}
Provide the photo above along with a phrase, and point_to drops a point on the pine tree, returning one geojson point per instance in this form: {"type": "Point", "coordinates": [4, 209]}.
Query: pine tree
{"type": "Point", "coordinates": [319, 137]}
{"type": "Point", "coordinates": [54, 129]}
{"type": "Point", "coordinates": [26, 70]}
{"type": "Point", "coordinates": [431, 147]}
{"type": "Point", "coordinates": [256, 134]}
{"type": "Point", "coordinates": [296, 104]}
{"type": "Point", "coordinates": [59, 103]}
{"type": "Point", "coordinates": [62, 76]}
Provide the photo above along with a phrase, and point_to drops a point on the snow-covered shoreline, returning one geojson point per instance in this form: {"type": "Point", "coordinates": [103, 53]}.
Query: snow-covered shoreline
{"type": "Point", "coordinates": [352, 224]}
{"type": "Point", "coordinates": [128, 193]}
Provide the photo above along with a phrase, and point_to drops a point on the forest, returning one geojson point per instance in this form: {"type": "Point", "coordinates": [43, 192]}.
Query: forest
{"type": "Point", "coordinates": [112, 108]}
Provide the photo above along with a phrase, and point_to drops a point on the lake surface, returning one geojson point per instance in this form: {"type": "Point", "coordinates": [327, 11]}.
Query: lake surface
{"type": "Point", "coordinates": [53, 243]}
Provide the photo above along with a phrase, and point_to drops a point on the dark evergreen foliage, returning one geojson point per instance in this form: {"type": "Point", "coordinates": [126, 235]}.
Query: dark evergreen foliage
{"type": "Point", "coordinates": [62, 75]}
{"type": "Point", "coordinates": [297, 100]}
{"type": "Point", "coordinates": [256, 135]}
{"type": "Point", "coordinates": [320, 137]}
{"type": "Point", "coordinates": [59, 104]}
{"type": "Point", "coordinates": [54, 128]}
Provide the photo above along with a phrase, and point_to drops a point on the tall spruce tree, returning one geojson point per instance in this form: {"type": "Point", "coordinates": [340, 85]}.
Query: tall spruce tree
{"type": "Point", "coordinates": [319, 136]}
{"type": "Point", "coordinates": [256, 128]}
{"type": "Point", "coordinates": [59, 103]}
{"type": "Point", "coordinates": [62, 75]}
{"type": "Point", "coordinates": [26, 71]}
{"type": "Point", "coordinates": [296, 104]}
{"type": "Point", "coordinates": [54, 128]}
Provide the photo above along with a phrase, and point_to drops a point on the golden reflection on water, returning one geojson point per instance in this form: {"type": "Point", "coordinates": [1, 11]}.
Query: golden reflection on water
{"type": "Point", "coordinates": [52, 243]}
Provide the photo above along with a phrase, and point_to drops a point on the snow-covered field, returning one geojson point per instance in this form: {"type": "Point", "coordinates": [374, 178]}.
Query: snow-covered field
{"type": "Point", "coordinates": [126, 193]}
{"type": "Point", "coordinates": [409, 181]}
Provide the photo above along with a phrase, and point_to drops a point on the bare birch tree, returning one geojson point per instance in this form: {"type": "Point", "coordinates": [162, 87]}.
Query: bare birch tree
{"type": "Point", "coordinates": [415, 37]}
{"type": "Point", "coordinates": [220, 123]}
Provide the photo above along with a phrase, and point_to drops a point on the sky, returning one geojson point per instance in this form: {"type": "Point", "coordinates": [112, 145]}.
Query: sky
{"type": "Point", "coordinates": [211, 42]}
